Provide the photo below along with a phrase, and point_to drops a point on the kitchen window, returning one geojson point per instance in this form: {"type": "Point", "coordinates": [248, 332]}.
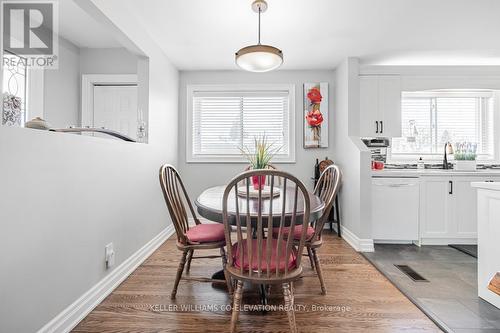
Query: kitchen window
{"type": "Point", "coordinates": [221, 119]}
{"type": "Point", "coordinates": [430, 119]}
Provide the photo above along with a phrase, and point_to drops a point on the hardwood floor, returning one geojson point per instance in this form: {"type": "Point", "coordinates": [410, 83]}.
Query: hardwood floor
{"type": "Point", "coordinates": [359, 299]}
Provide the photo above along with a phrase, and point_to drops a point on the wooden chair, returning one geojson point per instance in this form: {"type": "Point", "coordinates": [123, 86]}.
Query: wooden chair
{"type": "Point", "coordinates": [326, 188]}
{"type": "Point", "coordinates": [254, 255]}
{"type": "Point", "coordinates": [201, 236]}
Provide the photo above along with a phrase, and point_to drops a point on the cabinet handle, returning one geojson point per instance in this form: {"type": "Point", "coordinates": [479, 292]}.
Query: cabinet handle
{"type": "Point", "coordinates": [381, 126]}
{"type": "Point", "coordinates": [376, 123]}
{"type": "Point", "coordinates": [451, 187]}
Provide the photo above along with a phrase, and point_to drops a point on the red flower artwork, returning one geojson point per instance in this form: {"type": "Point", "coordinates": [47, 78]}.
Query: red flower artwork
{"type": "Point", "coordinates": [314, 118]}
{"type": "Point", "coordinates": [314, 95]}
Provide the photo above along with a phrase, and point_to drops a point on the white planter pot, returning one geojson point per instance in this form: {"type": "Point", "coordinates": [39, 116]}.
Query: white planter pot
{"type": "Point", "coordinates": [465, 165]}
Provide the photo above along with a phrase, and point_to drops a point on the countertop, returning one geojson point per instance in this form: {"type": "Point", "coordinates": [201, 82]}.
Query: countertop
{"type": "Point", "coordinates": [415, 173]}
{"type": "Point", "coordinates": [487, 185]}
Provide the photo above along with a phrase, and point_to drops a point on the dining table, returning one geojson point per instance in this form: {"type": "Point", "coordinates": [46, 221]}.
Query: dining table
{"type": "Point", "coordinates": [209, 206]}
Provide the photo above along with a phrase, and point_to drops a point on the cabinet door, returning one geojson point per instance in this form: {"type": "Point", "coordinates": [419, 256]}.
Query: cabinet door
{"type": "Point", "coordinates": [464, 208]}
{"type": "Point", "coordinates": [435, 208]}
{"type": "Point", "coordinates": [369, 106]}
{"type": "Point", "coordinates": [465, 205]}
{"type": "Point", "coordinates": [390, 106]}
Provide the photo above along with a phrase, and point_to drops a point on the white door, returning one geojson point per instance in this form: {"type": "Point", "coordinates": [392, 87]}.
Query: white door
{"type": "Point", "coordinates": [465, 206]}
{"type": "Point", "coordinates": [436, 198]}
{"type": "Point", "coordinates": [390, 106]}
{"type": "Point", "coordinates": [369, 102]}
{"type": "Point", "coordinates": [115, 108]}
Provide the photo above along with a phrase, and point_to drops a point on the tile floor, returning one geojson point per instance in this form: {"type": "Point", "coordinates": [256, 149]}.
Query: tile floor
{"type": "Point", "coordinates": [450, 296]}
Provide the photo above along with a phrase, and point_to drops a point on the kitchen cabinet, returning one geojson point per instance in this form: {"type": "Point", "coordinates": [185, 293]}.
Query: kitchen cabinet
{"type": "Point", "coordinates": [448, 209]}
{"type": "Point", "coordinates": [436, 208]}
{"type": "Point", "coordinates": [395, 209]}
{"type": "Point", "coordinates": [380, 106]}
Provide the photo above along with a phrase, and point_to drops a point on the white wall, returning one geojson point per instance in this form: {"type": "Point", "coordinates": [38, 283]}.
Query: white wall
{"type": "Point", "coordinates": [107, 61]}
{"type": "Point", "coordinates": [199, 176]}
{"type": "Point", "coordinates": [64, 197]}
{"type": "Point", "coordinates": [61, 88]}
{"type": "Point", "coordinates": [352, 156]}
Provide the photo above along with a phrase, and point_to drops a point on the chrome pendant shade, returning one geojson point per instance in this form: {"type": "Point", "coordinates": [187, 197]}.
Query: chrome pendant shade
{"type": "Point", "coordinates": [259, 58]}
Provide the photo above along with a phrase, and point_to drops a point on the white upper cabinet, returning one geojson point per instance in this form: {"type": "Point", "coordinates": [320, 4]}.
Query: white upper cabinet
{"type": "Point", "coordinates": [380, 106]}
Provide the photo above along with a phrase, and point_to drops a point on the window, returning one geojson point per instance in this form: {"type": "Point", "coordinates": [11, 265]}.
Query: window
{"type": "Point", "coordinates": [14, 85]}
{"type": "Point", "coordinates": [430, 119]}
{"type": "Point", "coordinates": [223, 118]}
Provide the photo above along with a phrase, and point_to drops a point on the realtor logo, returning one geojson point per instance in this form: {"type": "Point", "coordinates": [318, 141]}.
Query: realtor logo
{"type": "Point", "coordinates": [30, 31]}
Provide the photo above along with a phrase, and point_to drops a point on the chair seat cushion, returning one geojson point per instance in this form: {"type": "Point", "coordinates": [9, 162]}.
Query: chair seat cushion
{"type": "Point", "coordinates": [297, 232]}
{"type": "Point", "coordinates": [206, 233]}
{"type": "Point", "coordinates": [275, 258]}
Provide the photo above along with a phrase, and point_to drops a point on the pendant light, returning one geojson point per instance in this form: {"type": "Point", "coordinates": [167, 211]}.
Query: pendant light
{"type": "Point", "coordinates": [259, 58]}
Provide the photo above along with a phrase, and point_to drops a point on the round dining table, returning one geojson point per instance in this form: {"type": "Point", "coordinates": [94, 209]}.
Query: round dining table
{"type": "Point", "coordinates": [209, 206]}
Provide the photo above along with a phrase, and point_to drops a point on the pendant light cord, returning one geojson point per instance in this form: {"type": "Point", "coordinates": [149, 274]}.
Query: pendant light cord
{"type": "Point", "coordinates": [260, 10]}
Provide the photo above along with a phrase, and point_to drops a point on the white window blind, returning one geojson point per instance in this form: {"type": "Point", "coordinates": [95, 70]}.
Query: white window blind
{"type": "Point", "coordinates": [428, 122]}
{"type": "Point", "coordinates": [223, 121]}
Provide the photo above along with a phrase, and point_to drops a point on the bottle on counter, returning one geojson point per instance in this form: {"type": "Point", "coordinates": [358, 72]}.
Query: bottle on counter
{"type": "Point", "coordinates": [420, 164]}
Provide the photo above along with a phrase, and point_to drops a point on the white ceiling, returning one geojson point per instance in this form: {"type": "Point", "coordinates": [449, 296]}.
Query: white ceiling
{"type": "Point", "coordinates": [81, 29]}
{"type": "Point", "coordinates": [318, 34]}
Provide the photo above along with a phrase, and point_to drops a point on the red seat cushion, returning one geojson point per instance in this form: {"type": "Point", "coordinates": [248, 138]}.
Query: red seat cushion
{"type": "Point", "coordinates": [292, 260]}
{"type": "Point", "coordinates": [297, 232]}
{"type": "Point", "coordinates": [206, 233]}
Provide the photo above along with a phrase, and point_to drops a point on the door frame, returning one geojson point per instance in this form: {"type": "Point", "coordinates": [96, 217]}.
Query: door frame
{"type": "Point", "coordinates": [91, 80]}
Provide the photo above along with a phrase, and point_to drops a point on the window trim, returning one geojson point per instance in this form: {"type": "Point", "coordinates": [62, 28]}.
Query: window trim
{"type": "Point", "coordinates": [198, 158]}
{"type": "Point", "coordinates": [437, 158]}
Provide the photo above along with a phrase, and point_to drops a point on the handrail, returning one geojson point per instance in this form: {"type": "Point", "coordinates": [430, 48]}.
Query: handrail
{"type": "Point", "coordinates": [94, 130]}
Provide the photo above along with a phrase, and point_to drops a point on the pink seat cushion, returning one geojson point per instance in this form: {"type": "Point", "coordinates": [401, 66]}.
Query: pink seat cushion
{"type": "Point", "coordinates": [297, 232]}
{"type": "Point", "coordinates": [275, 258]}
{"type": "Point", "coordinates": [206, 233]}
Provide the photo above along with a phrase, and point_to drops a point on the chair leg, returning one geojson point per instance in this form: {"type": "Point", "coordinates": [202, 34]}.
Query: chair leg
{"type": "Point", "coordinates": [311, 258]}
{"type": "Point", "coordinates": [180, 269]}
{"type": "Point", "coordinates": [238, 294]}
{"type": "Point", "coordinates": [289, 306]}
{"type": "Point", "coordinates": [189, 258]}
{"type": "Point", "coordinates": [319, 272]}
{"type": "Point", "coordinates": [226, 275]}
{"type": "Point", "coordinates": [337, 213]}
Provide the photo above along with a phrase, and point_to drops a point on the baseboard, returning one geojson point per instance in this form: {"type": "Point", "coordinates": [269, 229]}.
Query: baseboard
{"type": "Point", "coordinates": [73, 314]}
{"type": "Point", "coordinates": [359, 244]}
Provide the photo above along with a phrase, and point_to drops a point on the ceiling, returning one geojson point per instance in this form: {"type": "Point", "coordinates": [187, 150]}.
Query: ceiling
{"type": "Point", "coordinates": [318, 34]}
{"type": "Point", "coordinates": [81, 29]}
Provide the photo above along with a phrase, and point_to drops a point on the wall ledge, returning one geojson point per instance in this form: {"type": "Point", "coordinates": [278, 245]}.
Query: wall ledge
{"type": "Point", "coordinates": [79, 309]}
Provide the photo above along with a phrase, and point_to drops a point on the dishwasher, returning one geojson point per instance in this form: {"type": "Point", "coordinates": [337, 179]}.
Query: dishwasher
{"type": "Point", "coordinates": [395, 210]}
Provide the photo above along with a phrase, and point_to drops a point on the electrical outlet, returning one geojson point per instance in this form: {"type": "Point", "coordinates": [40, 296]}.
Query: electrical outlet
{"type": "Point", "coordinates": [109, 253]}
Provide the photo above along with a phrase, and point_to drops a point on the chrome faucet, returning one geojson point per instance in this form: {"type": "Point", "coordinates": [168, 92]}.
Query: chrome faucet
{"type": "Point", "coordinates": [448, 149]}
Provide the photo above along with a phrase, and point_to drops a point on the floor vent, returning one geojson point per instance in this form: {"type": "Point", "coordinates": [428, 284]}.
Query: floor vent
{"type": "Point", "coordinates": [410, 272]}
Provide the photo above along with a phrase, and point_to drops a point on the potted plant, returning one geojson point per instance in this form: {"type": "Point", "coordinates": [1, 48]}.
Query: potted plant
{"type": "Point", "coordinates": [260, 157]}
{"type": "Point", "coordinates": [465, 156]}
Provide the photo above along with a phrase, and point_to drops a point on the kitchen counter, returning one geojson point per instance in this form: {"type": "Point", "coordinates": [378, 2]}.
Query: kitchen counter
{"type": "Point", "coordinates": [488, 210]}
{"type": "Point", "coordinates": [415, 173]}
{"type": "Point", "coordinates": [487, 186]}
